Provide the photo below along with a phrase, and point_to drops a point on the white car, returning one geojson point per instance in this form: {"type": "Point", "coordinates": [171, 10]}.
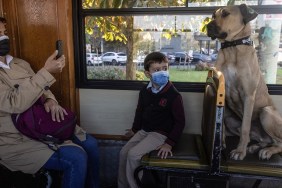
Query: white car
{"type": "Point", "coordinates": [279, 60]}
{"type": "Point", "coordinates": [139, 60]}
{"type": "Point", "coordinates": [93, 59]}
{"type": "Point", "coordinates": [113, 58]}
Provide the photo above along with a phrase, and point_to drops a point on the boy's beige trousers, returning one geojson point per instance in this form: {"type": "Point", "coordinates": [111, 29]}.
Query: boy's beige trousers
{"type": "Point", "coordinates": [129, 158]}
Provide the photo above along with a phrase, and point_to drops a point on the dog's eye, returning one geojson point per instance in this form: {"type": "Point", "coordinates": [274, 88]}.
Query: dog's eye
{"type": "Point", "coordinates": [224, 13]}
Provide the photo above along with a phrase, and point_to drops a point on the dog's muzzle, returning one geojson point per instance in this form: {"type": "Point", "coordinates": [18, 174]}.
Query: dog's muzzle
{"type": "Point", "coordinates": [213, 31]}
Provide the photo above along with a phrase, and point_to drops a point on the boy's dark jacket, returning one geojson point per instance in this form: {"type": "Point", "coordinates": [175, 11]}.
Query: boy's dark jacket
{"type": "Point", "coordinates": [162, 112]}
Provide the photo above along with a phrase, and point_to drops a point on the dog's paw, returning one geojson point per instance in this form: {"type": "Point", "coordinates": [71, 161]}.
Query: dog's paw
{"type": "Point", "coordinates": [237, 154]}
{"type": "Point", "coordinates": [265, 153]}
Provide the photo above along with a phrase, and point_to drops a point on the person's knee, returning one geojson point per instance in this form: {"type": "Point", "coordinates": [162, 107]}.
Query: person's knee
{"type": "Point", "coordinates": [90, 145]}
{"type": "Point", "coordinates": [123, 153]}
{"type": "Point", "coordinates": [133, 155]}
{"type": "Point", "coordinates": [77, 157]}
{"type": "Point", "coordinates": [80, 156]}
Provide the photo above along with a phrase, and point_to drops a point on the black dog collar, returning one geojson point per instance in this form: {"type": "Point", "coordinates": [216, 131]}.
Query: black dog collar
{"type": "Point", "coordinates": [244, 41]}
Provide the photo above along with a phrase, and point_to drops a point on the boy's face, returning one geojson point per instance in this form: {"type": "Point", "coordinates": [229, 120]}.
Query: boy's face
{"type": "Point", "coordinates": [155, 67]}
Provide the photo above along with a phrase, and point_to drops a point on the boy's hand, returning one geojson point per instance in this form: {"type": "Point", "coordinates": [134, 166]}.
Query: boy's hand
{"type": "Point", "coordinates": [164, 150]}
{"type": "Point", "coordinates": [129, 133]}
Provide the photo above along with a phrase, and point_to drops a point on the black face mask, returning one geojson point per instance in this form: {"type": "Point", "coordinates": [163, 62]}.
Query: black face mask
{"type": "Point", "coordinates": [4, 47]}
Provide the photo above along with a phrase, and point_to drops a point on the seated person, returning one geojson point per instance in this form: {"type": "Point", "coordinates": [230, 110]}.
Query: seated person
{"type": "Point", "coordinates": [158, 123]}
{"type": "Point", "coordinates": [20, 87]}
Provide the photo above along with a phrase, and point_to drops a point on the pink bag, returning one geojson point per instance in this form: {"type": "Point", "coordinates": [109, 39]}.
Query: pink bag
{"type": "Point", "coordinates": [37, 124]}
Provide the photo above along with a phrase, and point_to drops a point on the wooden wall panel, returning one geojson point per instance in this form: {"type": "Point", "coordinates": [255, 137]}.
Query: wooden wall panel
{"type": "Point", "coordinates": [34, 26]}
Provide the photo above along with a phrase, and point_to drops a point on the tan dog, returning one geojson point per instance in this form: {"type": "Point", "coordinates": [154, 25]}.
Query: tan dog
{"type": "Point", "coordinates": [250, 112]}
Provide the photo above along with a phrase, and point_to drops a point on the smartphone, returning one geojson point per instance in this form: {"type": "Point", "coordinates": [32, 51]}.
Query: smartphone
{"type": "Point", "coordinates": [59, 47]}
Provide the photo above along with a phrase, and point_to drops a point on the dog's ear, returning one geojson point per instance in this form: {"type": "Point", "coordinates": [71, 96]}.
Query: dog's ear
{"type": "Point", "coordinates": [247, 13]}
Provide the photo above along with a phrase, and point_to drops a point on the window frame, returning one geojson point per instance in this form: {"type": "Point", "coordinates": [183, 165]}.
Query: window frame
{"type": "Point", "coordinates": [79, 40]}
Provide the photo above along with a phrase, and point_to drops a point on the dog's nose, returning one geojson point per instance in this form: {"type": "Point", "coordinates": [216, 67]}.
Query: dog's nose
{"type": "Point", "coordinates": [211, 30]}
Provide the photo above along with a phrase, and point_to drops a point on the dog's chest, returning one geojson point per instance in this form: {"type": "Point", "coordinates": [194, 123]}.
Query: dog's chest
{"type": "Point", "coordinates": [232, 85]}
{"type": "Point", "coordinates": [230, 74]}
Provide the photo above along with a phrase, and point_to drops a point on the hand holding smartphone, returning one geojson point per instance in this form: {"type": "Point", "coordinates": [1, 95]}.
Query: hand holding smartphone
{"type": "Point", "coordinates": [56, 66]}
{"type": "Point", "coordinates": [59, 47]}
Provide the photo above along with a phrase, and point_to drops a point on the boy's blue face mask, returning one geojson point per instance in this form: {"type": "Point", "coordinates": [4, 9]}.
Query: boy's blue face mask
{"type": "Point", "coordinates": [160, 78]}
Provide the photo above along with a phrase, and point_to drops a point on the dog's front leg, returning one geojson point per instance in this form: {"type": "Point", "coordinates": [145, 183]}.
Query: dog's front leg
{"type": "Point", "coordinates": [240, 152]}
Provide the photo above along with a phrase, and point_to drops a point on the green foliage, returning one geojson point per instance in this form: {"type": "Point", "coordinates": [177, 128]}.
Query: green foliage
{"type": "Point", "coordinates": [106, 73]}
{"type": "Point", "coordinates": [111, 73]}
{"type": "Point", "coordinates": [202, 1]}
{"type": "Point", "coordinates": [165, 3]}
{"type": "Point", "coordinates": [140, 75]}
{"type": "Point", "coordinates": [204, 24]}
{"type": "Point", "coordinates": [102, 3]}
{"type": "Point", "coordinates": [231, 2]}
{"type": "Point", "coordinates": [113, 28]}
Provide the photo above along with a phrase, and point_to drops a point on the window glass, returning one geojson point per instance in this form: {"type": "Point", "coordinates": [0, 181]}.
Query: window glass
{"type": "Point", "coordinates": [97, 4]}
{"type": "Point", "coordinates": [195, 3]}
{"type": "Point", "coordinates": [94, 4]}
{"type": "Point", "coordinates": [267, 36]}
{"type": "Point", "coordinates": [119, 44]}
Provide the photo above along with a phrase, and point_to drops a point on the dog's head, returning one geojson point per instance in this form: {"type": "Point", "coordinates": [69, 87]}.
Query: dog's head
{"type": "Point", "coordinates": [229, 21]}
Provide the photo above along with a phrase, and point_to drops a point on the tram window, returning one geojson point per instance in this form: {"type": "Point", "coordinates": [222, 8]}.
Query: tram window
{"type": "Point", "coordinates": [92, 4]}
{"type": "Point", "coordinates": [113, 44]}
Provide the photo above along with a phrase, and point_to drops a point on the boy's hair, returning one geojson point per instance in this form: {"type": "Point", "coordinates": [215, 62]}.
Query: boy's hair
{"type": "Point", "coordinates": [3, 20]}
{"type": "Point", "coordinates": [154, 57]}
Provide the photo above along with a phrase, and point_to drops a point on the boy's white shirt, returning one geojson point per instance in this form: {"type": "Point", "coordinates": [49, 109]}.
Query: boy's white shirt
{"type": "Point", "coordinates": [154, 90]}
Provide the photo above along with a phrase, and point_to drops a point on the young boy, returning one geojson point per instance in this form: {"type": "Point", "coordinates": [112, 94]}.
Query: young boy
{"type": "Point", "coordinates": [158, 123]}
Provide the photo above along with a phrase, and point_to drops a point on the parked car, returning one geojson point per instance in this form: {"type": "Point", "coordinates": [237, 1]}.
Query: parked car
{"type": "Point", "coordinates": [114, 58]}
{"type": "Point", "coordinates": [170, 56]}
{"type": "Point", "coordinates": [139, 60]}
{"type": "Point", "coordinates": [214, 56]}
{"type": "Point", "coordinates": [93, 59]}
{"type": "Point", "coordinates": [197, 57]}
{"type": "Point", "coordinates": [279, 60]}
{"type": "Point", "coordinates": [181, 57]}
